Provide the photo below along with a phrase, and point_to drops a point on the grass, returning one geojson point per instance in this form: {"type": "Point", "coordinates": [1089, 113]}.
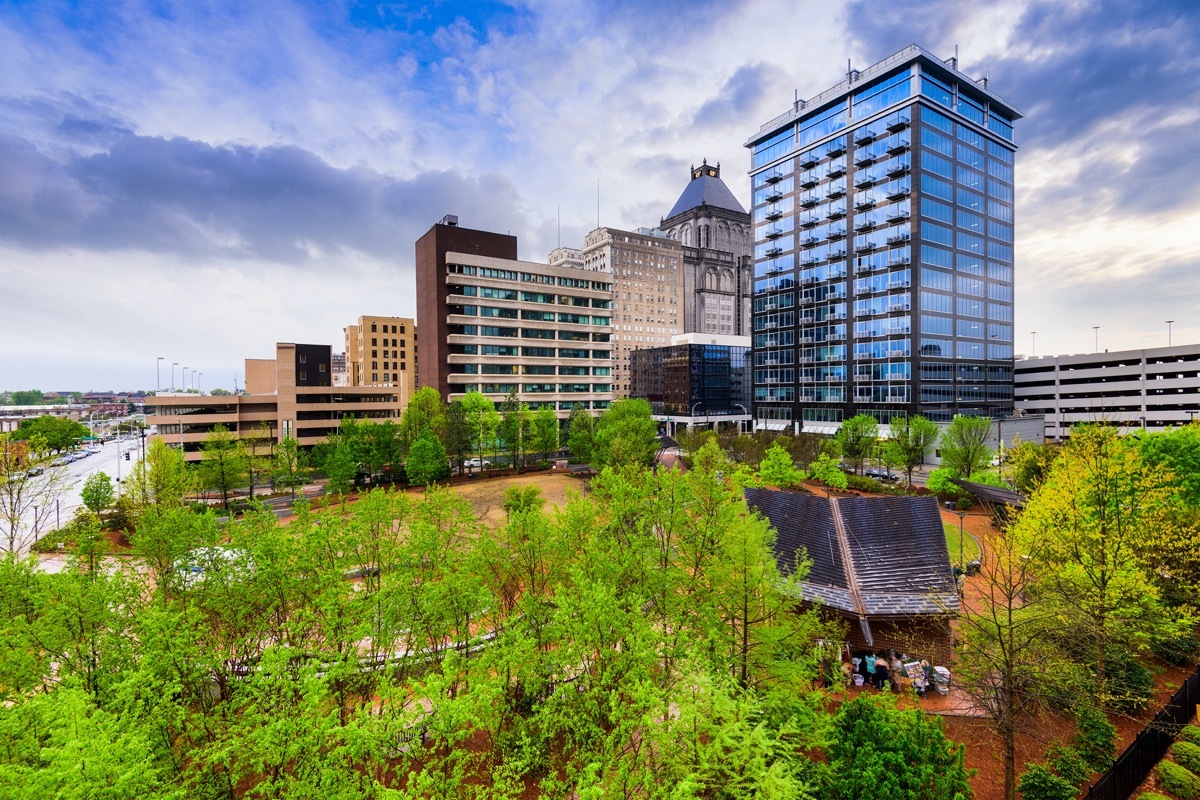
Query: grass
{"type": "Point", "coordinates": [969, 545]}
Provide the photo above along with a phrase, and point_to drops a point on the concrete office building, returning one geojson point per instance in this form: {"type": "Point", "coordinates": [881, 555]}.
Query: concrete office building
{"type": "Point", "coordinates": [648, 291]}
{"type": "Point", "coordinates": [1148, 389]}
{"type": "Point", "coordinates": [382, 351]}
{"type": "Point", "coordinates": [713, 232]}
{"type": "Point", "coordinates": [291, 395]}
{"type": "Point", "coordinates": [883, 249]}
{"type": "Point", "coordinates": [498, 325]}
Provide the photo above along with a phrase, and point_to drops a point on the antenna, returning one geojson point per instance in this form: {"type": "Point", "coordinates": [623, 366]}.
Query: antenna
{"type": "Point", "coordinates": [597, 202]}
{"type": "Point", "coordinates": [560, 224]}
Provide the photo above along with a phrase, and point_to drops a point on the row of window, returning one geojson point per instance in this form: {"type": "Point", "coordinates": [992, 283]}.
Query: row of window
{"type": "Point", "coordinates": [529, 277]}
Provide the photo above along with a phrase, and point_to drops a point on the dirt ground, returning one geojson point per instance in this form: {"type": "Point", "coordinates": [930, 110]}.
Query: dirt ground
{"type": "Point", "coordinates": [486, 495]}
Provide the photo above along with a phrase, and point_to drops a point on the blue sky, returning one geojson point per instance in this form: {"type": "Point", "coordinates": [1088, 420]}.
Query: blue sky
{"type": "Point", "coordinates": [197, 180]}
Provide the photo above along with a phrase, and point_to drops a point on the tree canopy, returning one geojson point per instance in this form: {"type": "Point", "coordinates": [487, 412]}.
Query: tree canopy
{"type": "Point", "coordinates": [964, 446]}
{"type": "Point", "coordinates": [856, 437]}
{"type": "Point", "coordinates": [626, 433]}
{"type": "Point", "coordinates": [58, 433]}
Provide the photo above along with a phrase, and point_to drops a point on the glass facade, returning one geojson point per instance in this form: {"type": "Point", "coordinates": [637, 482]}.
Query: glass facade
{"type": "Point", "coordinates": [883, 250]}
{"type": "Point", "coordinates": [714, 380]}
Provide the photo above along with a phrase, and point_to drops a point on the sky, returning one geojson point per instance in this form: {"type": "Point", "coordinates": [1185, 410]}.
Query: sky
{"type": "Point", "coordinates": [198, 180]}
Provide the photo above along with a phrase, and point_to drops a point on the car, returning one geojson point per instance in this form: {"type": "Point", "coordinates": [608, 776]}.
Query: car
{"type": "Point", "coordinates": [477, 462]}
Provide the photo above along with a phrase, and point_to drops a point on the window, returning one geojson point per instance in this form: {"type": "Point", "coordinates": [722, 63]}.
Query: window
{"type": "Point", "coordinates": [969, 199]}
{"type": "Point", "coordinates": [932, 162]}
{"type": "Point", "coordinates": [303, 358]}
{"type": "Point", "coordinates": [936, 141]}
{"type": "Point", "coordinates": [970, 178]}
{"type": "Point", "coordinates": [936, 187]}
{"type": "Point", "coordinates": [938, 234]}
{"type": "Point", "coordinates": [934, 210]}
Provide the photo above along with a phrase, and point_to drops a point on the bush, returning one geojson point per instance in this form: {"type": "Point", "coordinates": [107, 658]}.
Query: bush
{"type": "Point", "coordinates": [1186, 755]}
{"type": "Point", "coordinates": [1177, 780]}
{"type": "Point", "coordinates": [1095, 738]}
{"type": "Point", "coordinates": [939, 483]}
{"type": "Point", "coordinates": [1039, 783]}
{"type": "Point", "coordinates": [1152, 796]}
{"type": "Point", "coordinates": [963, 503]}
{"type": "Point", "coordinates": [1190, 733]}
{"type": "Point", "coordinates": [1068, 763]}
{"type": "Point", "coordinates": [865, 484]}
{"type": "Point", "coordinates": [1130, 684]}
{"type": "Point", "coordinates": [1182, 651]}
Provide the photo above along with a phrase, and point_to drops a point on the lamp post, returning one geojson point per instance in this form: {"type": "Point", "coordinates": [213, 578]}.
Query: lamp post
{"type": "Point", "coordinates": [1170, 322]}
{"type": "Point", "coordinates": [952, 509]}
{"type": "Point", "coordinates": [692, 413]}
{"type": "Point", "coordinates": [158, 375]}
{"type": "Point", "coordinates": [183, 380]}
{"type": "Point", "coordinates": [1096, 334]}
{"type": "Point", "coordinates": [200, 384]}
{"type": "Point", "coordinates": [1032, 343]}
{"type": "Point", "coordinates": [174, 364]}
{"type": "Point", "coordinates": [744, 411]}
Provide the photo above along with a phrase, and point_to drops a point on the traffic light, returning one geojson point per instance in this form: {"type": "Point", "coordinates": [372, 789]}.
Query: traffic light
{"type": "Point", "coordinates": [126, 455]}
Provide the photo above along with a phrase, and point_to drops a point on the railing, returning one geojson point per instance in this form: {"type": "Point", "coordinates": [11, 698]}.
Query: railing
{"type": "Point", "coordinates": [1133, 765]}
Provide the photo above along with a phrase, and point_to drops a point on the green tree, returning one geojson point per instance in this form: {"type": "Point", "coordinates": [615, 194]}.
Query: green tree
{"type": "Point", "coordinates": [289, 465]}
{"type": "Point", "coordinates": [857, 437]}
{"type": "Point", "coordinates": [544, 430]}
{"type": "Point", "coordinates": [97, 492]}
{"type": "Point", "coordinates": [964, 446]}
{"type": "Point", "coordinates": [626, 433]}
{"type": "Point", "coordinates": [828, 472]}
{"type": "Point", "coordinates": [59, 433]}
{"type": "Point", "coordinates": [513, 428]}
{"type": "Point", "coordinates": [1027, 464]}
{"type": "Point", "coordinates": [456, 435]}
{"type": "Point", "coordinates": [163, 478]}
{"type": "Point", "coordinates": [522, 499]}
{"type": "Point", "coordinates": [425, 412]}
{"type": "Point", "coordinates": [336, 460]}
{"type": "Point", "coordinates": [877, 750]}
{"type": "Point", "coordinates": [426, 460]}
{"type": "Point", "coordinates": [778, 469]}
{"type": "Point", "coordinates": [581, 430]}
{"type": "Point", "coordinates": [909, 441]}
{"type": "Point", "coordinates": [220, 392]}
{"type": "Point", "coordinates": [223, 463]}
{"type": "Point", "coordinates": [28, 397]}
{"type": "Point", "coordinates": [258, 454]}
{"type": "Point", "coordinates": [30, 484]}
{"type": "Point", "coordinates": [1092, 530]}
{"type": "Point", "coordinates": [482, 420]}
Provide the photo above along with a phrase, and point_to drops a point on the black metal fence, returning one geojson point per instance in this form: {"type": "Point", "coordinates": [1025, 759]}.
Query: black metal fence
{"type": "Point", "coordinates": [1144, 752]}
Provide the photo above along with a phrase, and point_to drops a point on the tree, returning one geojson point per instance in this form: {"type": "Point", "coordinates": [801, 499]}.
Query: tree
{"type": "Point", "coordinates": [30, 485]}
{"type": "Point", "coordinates": [778, 469]}
{"type": "Point", "coordinates": [1094, 530]}
{"type": "Point", "coordinates": [457, 433]}
{"type": "Point", "coordinates": [223, 463]}
{"type": "Point", "coordinates": [626, 433]}
{"type": "Point", "coordinates": [544, 430]}
{"type": "Point", "coordinates": [97, 492]}
{"type": "Point", "coordinates": [856, 437]}
{"type": "Point", "coordinates": [522, 499]}
{"type": "Point", "coordinates": [513, 428]}
{"type": "Point", "coordinates": [581, 428]}
{"type": "Point", "coordinates": [426, 460]}
{"type": "Point", "coordinates": [964, 446]}
{"type": "Point", "coordinates": [29, 397]}
{"type": "Point", "coordinates": [425, 412]}
{"type": "Point", "coordinates": [1027, 464]}
{"type": "Point", "coordinates": [909, 442]}
{"type": "Point", "coordinates": [289, 465]}
{"type": "Point", "coordinates": [337, 461]}
{"type": "Point", "coordinates": [220, 393]}
{"type": "Point", "coordinates": [258, 454]}
{"type": "Point", "coordinates": [59, 433]}
{"type": "Point", "coordinates": [827, 471]}
{"type": "Point", "coordinates": [482, 420]}
{"type": "Point", "coordinates": [878, 751]}
{"type": "Point", "coordinates": [164, 478]}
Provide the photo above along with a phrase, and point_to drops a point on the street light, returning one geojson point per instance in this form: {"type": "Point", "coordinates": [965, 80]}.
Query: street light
{"type": "Point", "coordinates": [692, 414]}
{"type": "Point", "coordinates": [200, 385]}
{"type": "Point", "coordinates": [158, 375]}
{"type": "Point", "coordinates": [954, 510]}
{"type": "Point", "coordinates": [1096, 333]}
{"type": "Point", "coordinates": [744, 411]}
{"type": "Point", "coordinates": [174, 364]}
{"type": "Point", "coordinates": [1032, 343]}
{"type": "Point", "coordinates": [1170, 322]}
{"type": "Point", "coordinates": [183, 380]}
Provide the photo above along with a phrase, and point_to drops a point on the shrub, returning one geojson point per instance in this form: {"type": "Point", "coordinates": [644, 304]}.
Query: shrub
{"type": "Point", "coordinates": [1152, 796]}
{"type": "Point", "coordinates": [865, 484]}
{"type": "Point", "coordinates": [1181, 651]}
{"type": "Point", "coordinates": [1177, 780]}
{"type": "Point", "coordinates": [963, 503]}
{"type": "Point", "coordinates": [1187, 755]}
{"type": "Point", "coordinates": [1190, 733]}
{"type": "Point", "coordinates": [1068, 763]}
{"type": "Point", "coordinates": [938, 482]}
{"type": "Point", "coordinates": [1039, 783]}
{"type": "Point", "coordinates": [1095, 737]}
{"type": "Point", "coordinates": [1130, 684]}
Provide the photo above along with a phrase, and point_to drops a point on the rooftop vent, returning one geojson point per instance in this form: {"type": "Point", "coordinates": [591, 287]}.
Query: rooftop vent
{"type": "Point", "coordinates": [450, 219]}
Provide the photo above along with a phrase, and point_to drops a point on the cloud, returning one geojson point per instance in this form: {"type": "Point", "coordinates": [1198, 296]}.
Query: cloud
{"type": "Point", "coordinates": [195, 200]}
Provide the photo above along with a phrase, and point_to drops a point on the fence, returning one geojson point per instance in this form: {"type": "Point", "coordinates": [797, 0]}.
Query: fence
{"type": "Point", "coordinates": [1144, 752]}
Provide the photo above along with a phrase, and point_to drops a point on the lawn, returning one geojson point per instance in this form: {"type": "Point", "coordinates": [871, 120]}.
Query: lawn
{"type": "Point", "coordinates": [969, 545]}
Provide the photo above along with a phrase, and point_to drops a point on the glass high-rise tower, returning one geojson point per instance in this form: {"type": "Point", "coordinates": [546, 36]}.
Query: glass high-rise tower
{"type": "Point", "coordinates": [883, 249]}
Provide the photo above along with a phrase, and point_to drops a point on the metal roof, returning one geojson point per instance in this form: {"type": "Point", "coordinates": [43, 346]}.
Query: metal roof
{"type": "Point", "coordinates": [870, 556]}
{"type": "Point", "coordinates": [709, 190]}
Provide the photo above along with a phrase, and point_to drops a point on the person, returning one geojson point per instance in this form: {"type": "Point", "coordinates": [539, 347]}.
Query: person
{"type": "Point", "coordinates": [882, 674]}
{"type": "Point", "coordinates": [869, 665]}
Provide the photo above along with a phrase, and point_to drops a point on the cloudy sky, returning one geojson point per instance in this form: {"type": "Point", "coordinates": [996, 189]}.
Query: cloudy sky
{"type": "Point", "coordinates": [198, 180]}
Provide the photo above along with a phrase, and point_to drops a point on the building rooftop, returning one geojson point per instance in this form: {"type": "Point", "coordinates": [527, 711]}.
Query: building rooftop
{"type": "Point", "coordinates": [706, 188]}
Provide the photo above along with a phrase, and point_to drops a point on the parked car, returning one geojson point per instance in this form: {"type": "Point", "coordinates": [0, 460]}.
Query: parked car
{"type": "Point", "coordinates": [477, 462]}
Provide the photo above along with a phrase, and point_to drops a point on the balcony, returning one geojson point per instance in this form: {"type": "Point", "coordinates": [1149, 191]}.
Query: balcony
{"type": "Point", "coordinates": [863, 180]}
{"type": "Point", "coordinates": [808, 180]}
{"type": "Point", "coordinates": [894, 308]}
{"type": "Point", "coordinates": [810, 241]}
{"type": "Point", "coordinates": [809, 200]}
{"type": "Point", "coordinates": [774, 233]}
{"type": "Point", "coordinates": [897, 216]}
{"type": "Point", "coordinates": [836, 149]}
{"type": "Point", "coordinates": [863, 203]}
{"type": "Point", "coordinates": [898, 192]}
{"type": "Point", "coordinates": [809, 220]}
{"type": "Point", "coordinates": [864, 136]}
{"type": "Point", "coordinates": [897, 147]}
{"type": "Point", "coordinates": [774, 252]}
{"type": "Point", "coordinates": [808, 160]}
{"type": "Point", "coordinates": [774, 196]}
{"type": "Point", "coordinates": [773, 214]}
{"type": "Point", "coordinates": [897, 123]}
{"type": "Point", "coordinates": [836, 213]}
{"type": "Point", "coordinates": [865, 247]}
{"type": "Point", "coordinates": [836, 254]}
{"type": "Point", "coordinates": [837, 233]}
{"type": "Point", "coordinates": [835, 191]}
{"type": "Point", "coordinates": [864, 159]}
{"type": "Point", "coordinates": [864, 225]}
{"type": "Point", "coordinates": [896, 261]}
{"type": "Point", "coordinates": [836, 171]}
{"type": "Point", "coordinates": [897, 238]}
{"type": "Point", "coordinates": [898, 169]}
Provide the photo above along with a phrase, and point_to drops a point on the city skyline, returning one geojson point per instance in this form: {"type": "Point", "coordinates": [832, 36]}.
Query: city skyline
{"type": "Point", "coordinates": [198, 184]}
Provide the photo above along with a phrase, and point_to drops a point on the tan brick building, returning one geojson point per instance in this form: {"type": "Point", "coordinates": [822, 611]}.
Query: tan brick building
{"type": "Point", "coordinates": [648, 291]}
{"type": "Point", "coordinates": [382, 351]}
